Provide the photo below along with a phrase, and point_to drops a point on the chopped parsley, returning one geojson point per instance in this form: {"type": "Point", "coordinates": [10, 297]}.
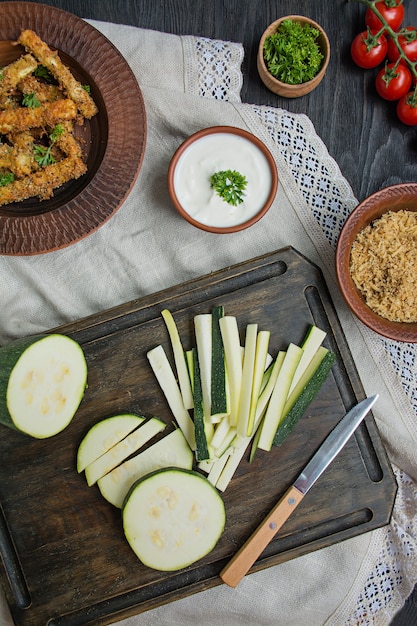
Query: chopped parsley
{"type": "Point", "coordinates": [43, 154]}
{"type": "Point", "coordinates": [229, 185]}
{"type": "Point", "coordinates": [292, 54]}
{"type": "Point", "coordinates": [42, 72]}
{"type": "Point", "coordinates": [30, 100]}
{"type": "Point", "coordinates": [6, 179]}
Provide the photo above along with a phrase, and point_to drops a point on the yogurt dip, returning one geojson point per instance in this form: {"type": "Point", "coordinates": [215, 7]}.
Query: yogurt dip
{"type": "Point", "coordinates": [214, 153]}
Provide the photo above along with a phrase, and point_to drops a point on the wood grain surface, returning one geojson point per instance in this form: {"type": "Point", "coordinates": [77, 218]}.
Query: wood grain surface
{"type": "Point", "coordinates": [66, 561]}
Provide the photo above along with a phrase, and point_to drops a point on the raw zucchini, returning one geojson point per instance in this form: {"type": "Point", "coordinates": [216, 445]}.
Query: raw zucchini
{"type": "Point", "coordinates": [42, 382]}
{"type": "Point", "coordinates": [247, 379]}
{"type": "Point", "coordinates": [262, 343]}
{"type": "Point", "coordinates": [273, 415]}
{"type": "Point", "coordinates": [202, 449]}
{"type": "Point", "coordinates": [172, 518]}
{"type": "Point", "coordinates": [172, 450]}
{"type": "Point", "coordinates": [180, 359]}
{"type": "Point", "coordinates": [311, 343]}
{"type": "Point", "coordinates": [118, 453]}
{"type": "Point", "coordinates": [233, 357]}
{"type": "Point", "coordinates": [306, 396]}
{"type": "Point", "coordinates": [103, 436]}
{"type": "Point", "coordinates": [203, 338]}
{"type": "Point", "coordinates": [166, 379]}
{"type": "Point", "coordinates": [219, 393]}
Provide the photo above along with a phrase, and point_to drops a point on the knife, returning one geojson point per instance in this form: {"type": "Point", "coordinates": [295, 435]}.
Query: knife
{"type": "Point", "coordinates": [243, 560]}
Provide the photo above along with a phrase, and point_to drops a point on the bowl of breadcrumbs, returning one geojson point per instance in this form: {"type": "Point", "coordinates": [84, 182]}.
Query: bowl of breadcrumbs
{"type": "Point", "coordinates": [376, 262]}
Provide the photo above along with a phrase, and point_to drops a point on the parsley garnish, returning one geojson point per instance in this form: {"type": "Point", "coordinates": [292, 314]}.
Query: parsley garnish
{"type": "Point", "coordinates": [86, 88]}
{"type": "Point", "coordinates": [292, 54]}
{"type": "Point", "coordinates": [42, 72]}
{"type": "Point", "coordinates": [229, 185]}
{"type": "Point", "coordinates": [31, 101]}
{"type": "Point", "coordinates": [43, 154]}
{"type": "Point", "coordinates": [6, 179]}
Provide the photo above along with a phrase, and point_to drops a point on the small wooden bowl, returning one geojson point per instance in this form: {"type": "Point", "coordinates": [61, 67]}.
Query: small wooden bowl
{"type": "Point", "coordinates": [394, 198]}
{"type": "Point", "coordinates": [284, 89]}
{"type": "Point", "coordinates": [186, 148]}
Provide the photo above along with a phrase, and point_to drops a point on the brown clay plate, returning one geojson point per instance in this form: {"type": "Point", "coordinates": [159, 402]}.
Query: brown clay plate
{"type": "Point", "coordinates": [394, 198]}
{"type": "Point", "coordinates": [114, 140]}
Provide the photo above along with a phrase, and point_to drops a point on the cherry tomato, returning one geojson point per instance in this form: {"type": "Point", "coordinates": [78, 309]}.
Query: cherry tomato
{"type": "Point", "coordinates": [393, 15]}
{"type": "Point", "coordinates": [392, 84]}
{"type": "Point", "coordinates": [407, 109]}
{"type": "Point", "coordinates": [408, 44]}
{"type": "Point", "coordinates": [367, 51]}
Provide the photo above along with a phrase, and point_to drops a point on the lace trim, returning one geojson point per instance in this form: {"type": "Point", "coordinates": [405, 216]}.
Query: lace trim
{"type": "Point", "coordinates": [218, 66]}
{"type": "Point", "coordinates": [390, 580]}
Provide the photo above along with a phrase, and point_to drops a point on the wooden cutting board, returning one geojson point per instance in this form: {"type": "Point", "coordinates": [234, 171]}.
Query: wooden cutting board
{"type": "Point", "coordinates": [65, 559]}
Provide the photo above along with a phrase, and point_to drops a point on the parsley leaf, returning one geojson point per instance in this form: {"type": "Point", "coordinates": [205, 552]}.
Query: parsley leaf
{"type": "Point", "coordinates": [292, 54]}
{"type": "Point", "coordinates": [42, 72]}
{"type": "Point", "coordinates": [6, 179]}
{"type": "Point", "coordinates": [43, 155]}
{"type": "Point", "coordinates": [30, 100]}
{"type": "Point", "coordinates": [229, 185]}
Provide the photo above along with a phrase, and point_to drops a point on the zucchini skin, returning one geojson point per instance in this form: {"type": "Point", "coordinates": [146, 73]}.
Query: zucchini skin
{"type": "Point", "coordinates": [9, 356]}
{"type": "Point", "coordinates": [304, 400]}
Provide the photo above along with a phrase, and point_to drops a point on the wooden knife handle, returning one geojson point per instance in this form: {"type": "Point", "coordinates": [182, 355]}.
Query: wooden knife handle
{"type": "Point", "coordinates": [243, 560]}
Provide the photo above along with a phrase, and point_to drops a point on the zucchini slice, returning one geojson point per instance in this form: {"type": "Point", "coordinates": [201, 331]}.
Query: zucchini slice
{"type": "Point", "coordinates": [103, 436]}
{"type": "Point", "coordinates": [42, 382]}
{"type": "Point", "coordinates": [172, 518]}
{"type": "Point", "coordinates": [170, 451]}
{"type": "Point", "coordinates": [118, 453]}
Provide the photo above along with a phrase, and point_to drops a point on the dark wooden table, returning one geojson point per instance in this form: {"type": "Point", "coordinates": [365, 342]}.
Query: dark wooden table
{"type": "Point", "coordinates": [361, 131]}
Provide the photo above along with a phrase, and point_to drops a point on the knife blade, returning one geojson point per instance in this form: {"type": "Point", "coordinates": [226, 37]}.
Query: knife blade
{"type": "Point", "coordinates": [246, 556]}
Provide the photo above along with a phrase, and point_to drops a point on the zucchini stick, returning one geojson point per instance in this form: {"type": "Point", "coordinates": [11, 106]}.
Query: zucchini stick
{"type": "Point", "coordinates": [166, 379]}
{"type": "Point", "coordinates": [179, 358]}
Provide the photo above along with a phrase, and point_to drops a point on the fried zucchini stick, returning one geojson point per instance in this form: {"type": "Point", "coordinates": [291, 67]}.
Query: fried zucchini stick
{"type": "Point", "coordinates": [44, 93]}
{"type": "Point", "coordinates": [21, 161]}
{"type": "Point", "coordinates": [43, 182]}
{"type": "Point", "coordinates": [49, 59]}
{"type": "Point", "coordinates": [15, 72]}
{"type": "Point", "coordinates": [48, 114]}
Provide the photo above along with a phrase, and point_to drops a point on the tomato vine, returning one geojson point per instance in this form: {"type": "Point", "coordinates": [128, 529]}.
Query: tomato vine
{"type": "Point", "coordinates": [384, 35]}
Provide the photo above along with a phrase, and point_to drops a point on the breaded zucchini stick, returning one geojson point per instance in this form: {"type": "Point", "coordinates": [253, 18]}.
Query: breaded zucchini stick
{"type": "Point", "coordinates": [15, 72]}
{"type": "Point", "coordinates": [62, 74]}
{"type": "Point", "coordinates": [43, 182]}
{"type": "Point", "coordinates": [48, 114]}
{"type": "Point", "coordinates": [21, 160]}
{"type": "Point", "coordinates": [6, 157]}
{"type": "Point", "coordinates": [44, 92]}
{"type": "Point", "coordinates": [67, 143]}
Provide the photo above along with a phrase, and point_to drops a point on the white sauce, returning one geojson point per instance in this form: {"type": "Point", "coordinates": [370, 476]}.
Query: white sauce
{"type": "Point", "coordinates": [214, 153]}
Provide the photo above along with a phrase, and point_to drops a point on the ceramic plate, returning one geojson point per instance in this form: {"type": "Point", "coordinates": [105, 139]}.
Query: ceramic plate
{"type": "Point", "coordinates": [114, 140]}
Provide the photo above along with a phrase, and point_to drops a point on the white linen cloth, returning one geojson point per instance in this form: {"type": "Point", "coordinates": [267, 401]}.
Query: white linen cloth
{"type": "Point", "coordinates": [147, 246]}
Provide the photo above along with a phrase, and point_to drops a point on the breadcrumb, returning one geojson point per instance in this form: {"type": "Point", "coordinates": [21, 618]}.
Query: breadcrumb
{"type": "Point", "coordinates": [383, 265]}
